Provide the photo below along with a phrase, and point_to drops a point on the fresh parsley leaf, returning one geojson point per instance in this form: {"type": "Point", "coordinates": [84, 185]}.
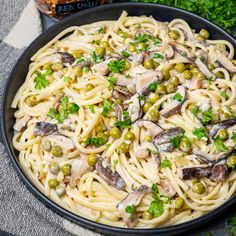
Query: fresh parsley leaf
{"type": "Point", "coordinates": [73, 108]}
{"type": "Point", "coordinates": [156, 208]}
{"type": "Point", "coordinates": [91, 108]}
{"type": "Point", "coordinates": [141, 98]}
{"type": "Point", "coordinates": [199, 132]}
{"type": "Point", "coordinates": [102, 30]}
{"type": "Point", "coordinates": [130, 209]}
{"type": "Point", "coordinates": [123, 124]}
{"type": "Point", "coordinates": [115, 163]}
{"type": "Point", "coordinates": [158, 56]}
{"type": "Point", "coordinates": [154, 40]}
{"type": "Point", "coordinates": [80, 59]}
{"type": "Point", "coordinates": [207, 116]}
{"type": "Point", "coordinates": [106, 106]}
{"type": "Point", "coordinates": [125, 114]}
{"type": "Point", "coordinates": [202, 58]}
{"type": "Point", "coordinates": [220, 146]}
{"type": "Point", "coordinates": [166, 163]}
{"type": "Point", "coordinates": [125, 53]}
{"type": "Point", "coordinates": [175, 141]}
{"type": "Point", "coordinates": [152, 87]}
{"type": "Point", "coordinates": [224, 95]}
{"type": "Point", "coordinates": [53, 114]}
{"type": "Point", "coordinates": [67, 79]}
{"type": "Point", "coordinates": [94, 141]}
{"type": "Point", "coordinates": [95, 57]}
{"type": "Point", "coordinates": [155, 189]}
{"type": "Point", "coordinates": [166, 199]}
{"type": "Point", "coordinates": [112, 81]}
{"type": "Point", "coordinates": [141, 38]}
{"type": "Point", "coordinates": [40, 81]}
{"type": "Point", "coordinates": [233, 137]}
{"type": "Point", "coordinates": [178, 97]}
{"type": "Point", "coordinates": [138, 26]}
{"type": "Point", "coordinates": [116, 66]}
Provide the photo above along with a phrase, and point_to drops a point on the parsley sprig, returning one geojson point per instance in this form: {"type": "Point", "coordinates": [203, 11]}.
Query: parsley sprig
{"type": "Point", "coordinates": [41, 81]}
{"type": "Point", "coordinates": [116, 66]}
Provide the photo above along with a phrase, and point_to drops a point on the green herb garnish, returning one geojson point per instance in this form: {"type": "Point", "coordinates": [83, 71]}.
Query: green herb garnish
{"type": "Point", "coordinates": [112, 81]}
{"type": "Point", "coordinates": [199, 132]}
{"type": "Point", "coordinates": [125, 53]}
{"type": "Point", "coordinates": [106, 106]}
{"type": "Point", "coordinates": [91, 108]}
{"type": "Point", "coordinates": [40, 81]}
{"type": "Point", "coordinates": [224, 95]}
{"type": "Point", "coordinates": [95, 57]}
{"type": "Point", "coordinates": [152, 87]}
{"type": "Point", "coordinates": [175, 141]}
{"type": "Point", "coordinates": [178, 97]}
{"type": "Point", "coordinates": [220, 146]}
{"type": "Point", "coordinates": [166, 163]}
{"type": "Point", "coordinates": [207, 116]}
{"type": "Point", "coordinates": [94, 141]}
{"type": "Point", "coordinates": [123, 124]}
{"type": "Point", "coordinates": [130, 209]}
{"type": "Point", "coordinates": [116, 66]}
{"type": "Point", "coordinates": [158, 56]}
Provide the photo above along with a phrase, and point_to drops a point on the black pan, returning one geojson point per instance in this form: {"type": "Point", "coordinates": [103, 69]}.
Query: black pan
{"type": "Point", "coordinates": [109, 12]}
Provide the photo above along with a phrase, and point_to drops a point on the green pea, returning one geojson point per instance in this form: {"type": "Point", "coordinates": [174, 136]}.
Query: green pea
{"type": "Point", "coordinates": [191, 66]}
{"type": "Point", "coordinates": [54, 168]}
{"type": "Point", "coordinates": [231, 161]}
{"type": "Point", "coordinates": [224, 116]}
{"type": "Point", "coordinates": [57, 66]}
{"type": "Point", "coordinates": [187, 74]}
{"type": "Point", "coordinates": [100, 51]}
{"type": "Point", "coordinates": [215, 117]}
{"type": "Point", "coordinates": [204, 33]}
{"type": "Point", "coordinates": [148, 138]}
{"type": "Point", "coordinates": [131, 48]}
{"type": "Point", "coordinates": [147, 215]}
{"type": "Point", "coordinates": [195, 71]}
{"type": "Point", "coordinates": [198, 188]}
{"type": "Point", "coordinates": [146, 107]}
{"type": "Point", "coordinates": [211, 67]}
{"type": "Point", "coordinates": [47, 65]}
{"type": "Point", "coordinates": [77, 53]}
{"type": "Point", "coordinates": [193, 107]}
{"type": "Point", "coordinates": [194, 181]}
{"type": "Point", "coordinates": [174, 34]}
{"type": "Point", "coordinates": [127, 65]}
{"type": "Point", "coordinates": [219, 74]}
{"type": "Point", "coordinates": [221, 46]}
{"type": "Point", "coordinates": [60, 191]}
{"type": "Point", "coordinates": [153, 97]}
{"type": "Point", "coordinates": [174, 80]}
{"type": "Point", "coordinates": [66, 169]}
{"type": "Point", "coordinates": [223, 134]}
{"type": "Point", "coordinates": [170, 88]}
{"type": "Point", "coordinates": [166, 73]}
{"type": "Point", "coordinates": [141, 46]}
{"type": "Point", "coordinates": [180, 67]}
{"type": "Point", "coordinates": [129, 136]}
{"type": "Point", "coordinates": [103, 136]}
{"type": "Point", "coordinates": [148, 64]}
{"type": "Point", "coordinates": [31, 100]}
{"type": "Point", "coordinates": [100, 128]}
{"type": "Point", "coordinates": [154, 114]}
{"type": "Point", "coordinates": [124, 147]}
{"type": "Point", "coordinates": [185, 145]}
{"type": "Point", "coordinates": [104, 44]}
{"type": "Point", "coordinates": [115, 132]}
{"type": "Point", "coordinates": [200, 75]}
{"type": "Point", "coordinates": [78, 71]}
{"type": "Point", "coordinates": [161, 89]}
{"type": "Point", "coordinates": [53, 183]}
{"type": "Point", "coordinates": [89, 87]}
{"type": "Point", "coordinates": [200, 38]}
{"type": "Point", "coordinates": [179, 202]}
{"type": "Point", "coordinates": [109, 50]}
{"type": "Point", "coordinates": [56, 151]}
{"type": "Point", "coordinates": [112, 121]}
{"type": "Point", "coordinates": [92, 159]}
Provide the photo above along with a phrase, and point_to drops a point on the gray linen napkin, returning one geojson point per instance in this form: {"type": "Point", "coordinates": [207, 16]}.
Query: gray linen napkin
{"type": "Point", "coordinates": [20, 212]}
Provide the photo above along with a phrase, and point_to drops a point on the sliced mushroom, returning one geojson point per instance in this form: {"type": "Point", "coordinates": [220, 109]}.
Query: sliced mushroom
{"type": "Point", "coordinates": [219, 172]}
{"type": "Point", "coordinates": [66, 57]}
{"type": "Point", "coordinates": [174, 106]}
{"type": "Point", "coordinates": [57, 139]}
{"type": "Point", "coordinates": [79, 167]}
{"type": "Point", "coordinates": [21, 124]}
{"type": "Point", "coordinates": [226, 63]}
{"type": "Point", "coordinates": [134, 198]}
{"type": "Point", "coordinates": [163, 139]}
{"type": "Point", "coordinates": [204, 69]}
{"type": "Point", "coordinates": [123, 81]}
{"type": "Point", "coordinates": [101, 68]}
{"type": "Point", "coordinates": [167, 187]}
{"type": "Point", "coordinates": [195, 172]}
{"type": "Point", "coordinates": [119, 112]}
{"type": "Point", "coordinates": [134, 109]}
{"type": "Point", "coordinates": [112, 178]}
{"type": "Point", "coordinates": [183, 51]}
{"type": "Point", "coordinates": [193, 84]}
{"type": "Point", "coordinates": [152, 128]}
{"type": "Point", "coordinates": [121, 93]}
{"type": "Point", "coordinates": [45, 128]}
{"type": "Point", "coordinates": [221, 125]}
{"type": "Point", "coordinates": [144, 79]}
{"type": "Point", "coordinates": [208, 158]}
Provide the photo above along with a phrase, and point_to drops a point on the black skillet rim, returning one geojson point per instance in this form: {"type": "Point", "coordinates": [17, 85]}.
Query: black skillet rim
{"type": "Point", "coordinates": [99, 227]}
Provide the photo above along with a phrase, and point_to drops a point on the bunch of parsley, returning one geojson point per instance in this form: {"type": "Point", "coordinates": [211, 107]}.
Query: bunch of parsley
{"type": "Point", "coordinates": [221, 12]}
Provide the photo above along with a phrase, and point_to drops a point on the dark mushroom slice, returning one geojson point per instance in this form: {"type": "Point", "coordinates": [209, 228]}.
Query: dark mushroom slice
{"type": "Point", "coordinates": [226, 63]}
{"type": "Point", "coordinates": [204, 69]}
{"type": "Point", "coordinates": [66, 57]}
{"type": "Point", "coordinates": [144, 79]}
{"type": "Point", "coordinates": [182, 50]}
{"type": "Point", "coordinates": [134, 198]}
{"type": "Point", "coordinates": [174, 106]}
{"type": "Point", "coordinates": [152, 127]}
{"type": "Point", "coordinates": [121, 93]}
{"type": "Point", "coordinates": [21, 124]}
{"type": "Point", "coordinates": [167, 187]}
{"type": "Point", "coordinates": [45, 128]}
{"type": "Point", "coordinates": [111, 178]}
{"type": "Point", "coordinates": [221, 125]}
{"type": "Point", "coordinates": [135, 109]}
{"type": "Point", "coordinates": [219, 172]}
{"type": "Point", "coordinates": [166, 147]}
{"type": "Point", "coordinates": [195, 172]}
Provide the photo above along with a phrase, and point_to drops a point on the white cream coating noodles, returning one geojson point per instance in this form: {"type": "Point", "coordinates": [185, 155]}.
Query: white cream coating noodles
{"type": "Point", "coordinates": [92, 196]}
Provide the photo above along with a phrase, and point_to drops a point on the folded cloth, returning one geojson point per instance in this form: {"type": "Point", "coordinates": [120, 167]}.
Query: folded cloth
{"type": "Point", "coordinates": [20, 212]}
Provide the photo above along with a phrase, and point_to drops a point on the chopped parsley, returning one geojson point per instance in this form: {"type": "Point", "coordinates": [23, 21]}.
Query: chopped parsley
{"type": "Point", "coordinates": [141, 98]}
{"type": "Point", "coordinates": [95, 57]}
{"type": "Point", "coordinates": [199, 132]}
{"type": "Point", "coordinates": [166, 163]}
{"type": "Point", "coordinates": [154, 40]}
{"type": "Point", "coordinates": [202, 58]}
{"type": "Point", "coordinates": [158, 56]}
{"type": "Point", "coordinates": [207, 116]}
{"type": "Point", "coordinates": [106, 106]}
{"type": "Point", "coordinates": [157, 207]}
{"type": "Point", "coordinates": [80, 59]}
{"type": "Point", "coordinates": [112, 80]}
{"type": "Point", "coordinates": [152, 87]}
{"type": "Point", "coordinates": [175, 141]}
{"type": "Point", "coordinates": [123, 124]}
{"type": "Point", "coordinates": [73, 108]}
{"type": "Point", "coordinates": [94, 141]}
{"type": "Point", "coordinates": [91, 108]}
{"type": "Point", "coordinates": [125, 114]}
{"type": "Point", "coordinates": [233, 137]}
{"type": "Point", "coordinates": [40, 81]}
{"type": "Point", "coordinates": [102, 30]}
{"type": "Point", "coordinates": [130, 209]}
{"type": "Point", "coordinates": [116, 66]}
{"type": "Point", "coordinates": [177, 97]}
{"type": "Point", "coordinates": [223, 94]}
{"type": "Point", "coordinates": [220, 146]}
{"type": "Point", "coordinates": [155, 189]}
{"type": "Point", "coordinates": [125, 53]}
